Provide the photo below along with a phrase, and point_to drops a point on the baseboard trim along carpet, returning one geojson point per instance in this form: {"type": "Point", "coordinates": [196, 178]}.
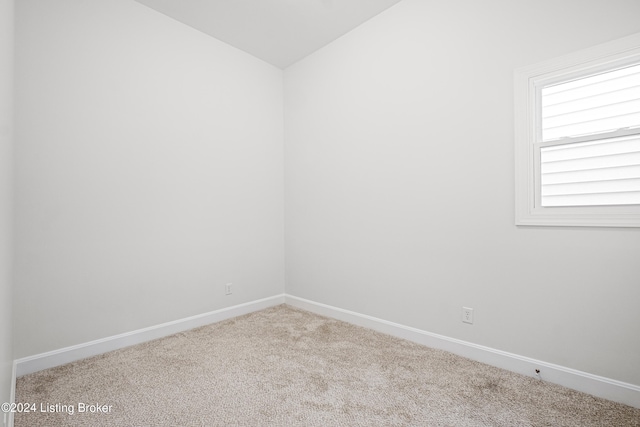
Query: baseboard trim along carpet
{"type": "Point", "coordinates": [12, 396]}
{"type": "Point", "coordinates": [585, 382]}
{"type": "Point", "coordinates": [38, 362]}
{"type": "Point", "coordinates": [606, 388]}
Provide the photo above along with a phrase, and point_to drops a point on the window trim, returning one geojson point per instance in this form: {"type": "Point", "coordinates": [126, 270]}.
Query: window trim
{"type": "Point", "coordinates": [527, 149]}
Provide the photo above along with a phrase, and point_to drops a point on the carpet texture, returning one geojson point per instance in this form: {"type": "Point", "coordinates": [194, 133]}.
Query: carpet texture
{"type": "Point", "coordinates": [287, 367]}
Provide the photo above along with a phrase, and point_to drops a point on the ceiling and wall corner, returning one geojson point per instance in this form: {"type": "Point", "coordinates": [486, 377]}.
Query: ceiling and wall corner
{"type": "Point", "coordinates": [279, 32]}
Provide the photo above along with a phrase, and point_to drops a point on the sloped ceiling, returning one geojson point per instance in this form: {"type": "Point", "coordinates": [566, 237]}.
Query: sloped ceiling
{"type": "Point", "coordinates": [280, 32]}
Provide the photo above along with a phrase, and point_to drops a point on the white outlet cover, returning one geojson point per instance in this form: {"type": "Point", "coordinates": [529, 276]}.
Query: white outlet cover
{"type": "Point", "coordinates": [467, 315]}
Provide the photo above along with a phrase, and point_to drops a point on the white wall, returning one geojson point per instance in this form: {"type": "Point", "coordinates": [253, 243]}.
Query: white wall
{"type": "Point", "coordinates": [6, 190]}
{"type": "Point", "coordinates": [148, 172]}
{"type": "Point", "coordinates": [399, 185]}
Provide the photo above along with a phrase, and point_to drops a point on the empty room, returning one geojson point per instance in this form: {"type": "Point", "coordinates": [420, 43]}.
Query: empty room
{"type": "Point", "coordinates": [319, 213]}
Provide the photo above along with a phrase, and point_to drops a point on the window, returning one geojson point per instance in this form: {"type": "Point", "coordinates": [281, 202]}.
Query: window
{"type": "Point", "coordinates": [577, 124]}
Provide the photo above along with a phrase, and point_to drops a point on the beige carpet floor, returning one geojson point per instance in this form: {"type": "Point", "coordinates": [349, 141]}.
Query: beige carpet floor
{"type": "Point", "coordinates": [287, 367]}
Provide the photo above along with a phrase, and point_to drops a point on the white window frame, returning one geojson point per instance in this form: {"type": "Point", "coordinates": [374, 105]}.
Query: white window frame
{"type": "Point", "coordinates": [528, 81]}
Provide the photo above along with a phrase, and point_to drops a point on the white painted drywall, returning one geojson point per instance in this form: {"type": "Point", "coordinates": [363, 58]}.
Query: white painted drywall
{"type": "Point", "coordinates": [280, 32]}
{"type": "Point", "coordinates": [148, 173]}
{"type": "Point", "coordinates": [399, 185]}
{"type": "Point", "coordinates": [6, 198]}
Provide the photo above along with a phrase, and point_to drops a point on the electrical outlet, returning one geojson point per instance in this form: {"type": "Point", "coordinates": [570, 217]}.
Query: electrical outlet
{"type": "Point", "coordinates": [227, 289]}
{"type": "Point", "coordinates": [467, 315]}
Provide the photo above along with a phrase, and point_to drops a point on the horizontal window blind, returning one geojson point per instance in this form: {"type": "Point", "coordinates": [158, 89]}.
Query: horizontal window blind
{"type": "Point", "coordinates": [598, 173]}
{"type": "Point", "coordinates": [596, 104]}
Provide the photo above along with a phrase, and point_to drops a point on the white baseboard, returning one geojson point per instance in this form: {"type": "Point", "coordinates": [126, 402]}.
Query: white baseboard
{"type": "Point", "coordinates": [606, 388]}
{"type": "Point", "coordinates": [62, 356]}
{"type": "Point", "coordinates": [12, 395]}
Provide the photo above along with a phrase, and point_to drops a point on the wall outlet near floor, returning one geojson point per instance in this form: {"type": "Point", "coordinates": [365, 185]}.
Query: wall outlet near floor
{"type": "Point", "coordinates": [467, 315]}
{"type": "Point", "coordinates": [227, 289]}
